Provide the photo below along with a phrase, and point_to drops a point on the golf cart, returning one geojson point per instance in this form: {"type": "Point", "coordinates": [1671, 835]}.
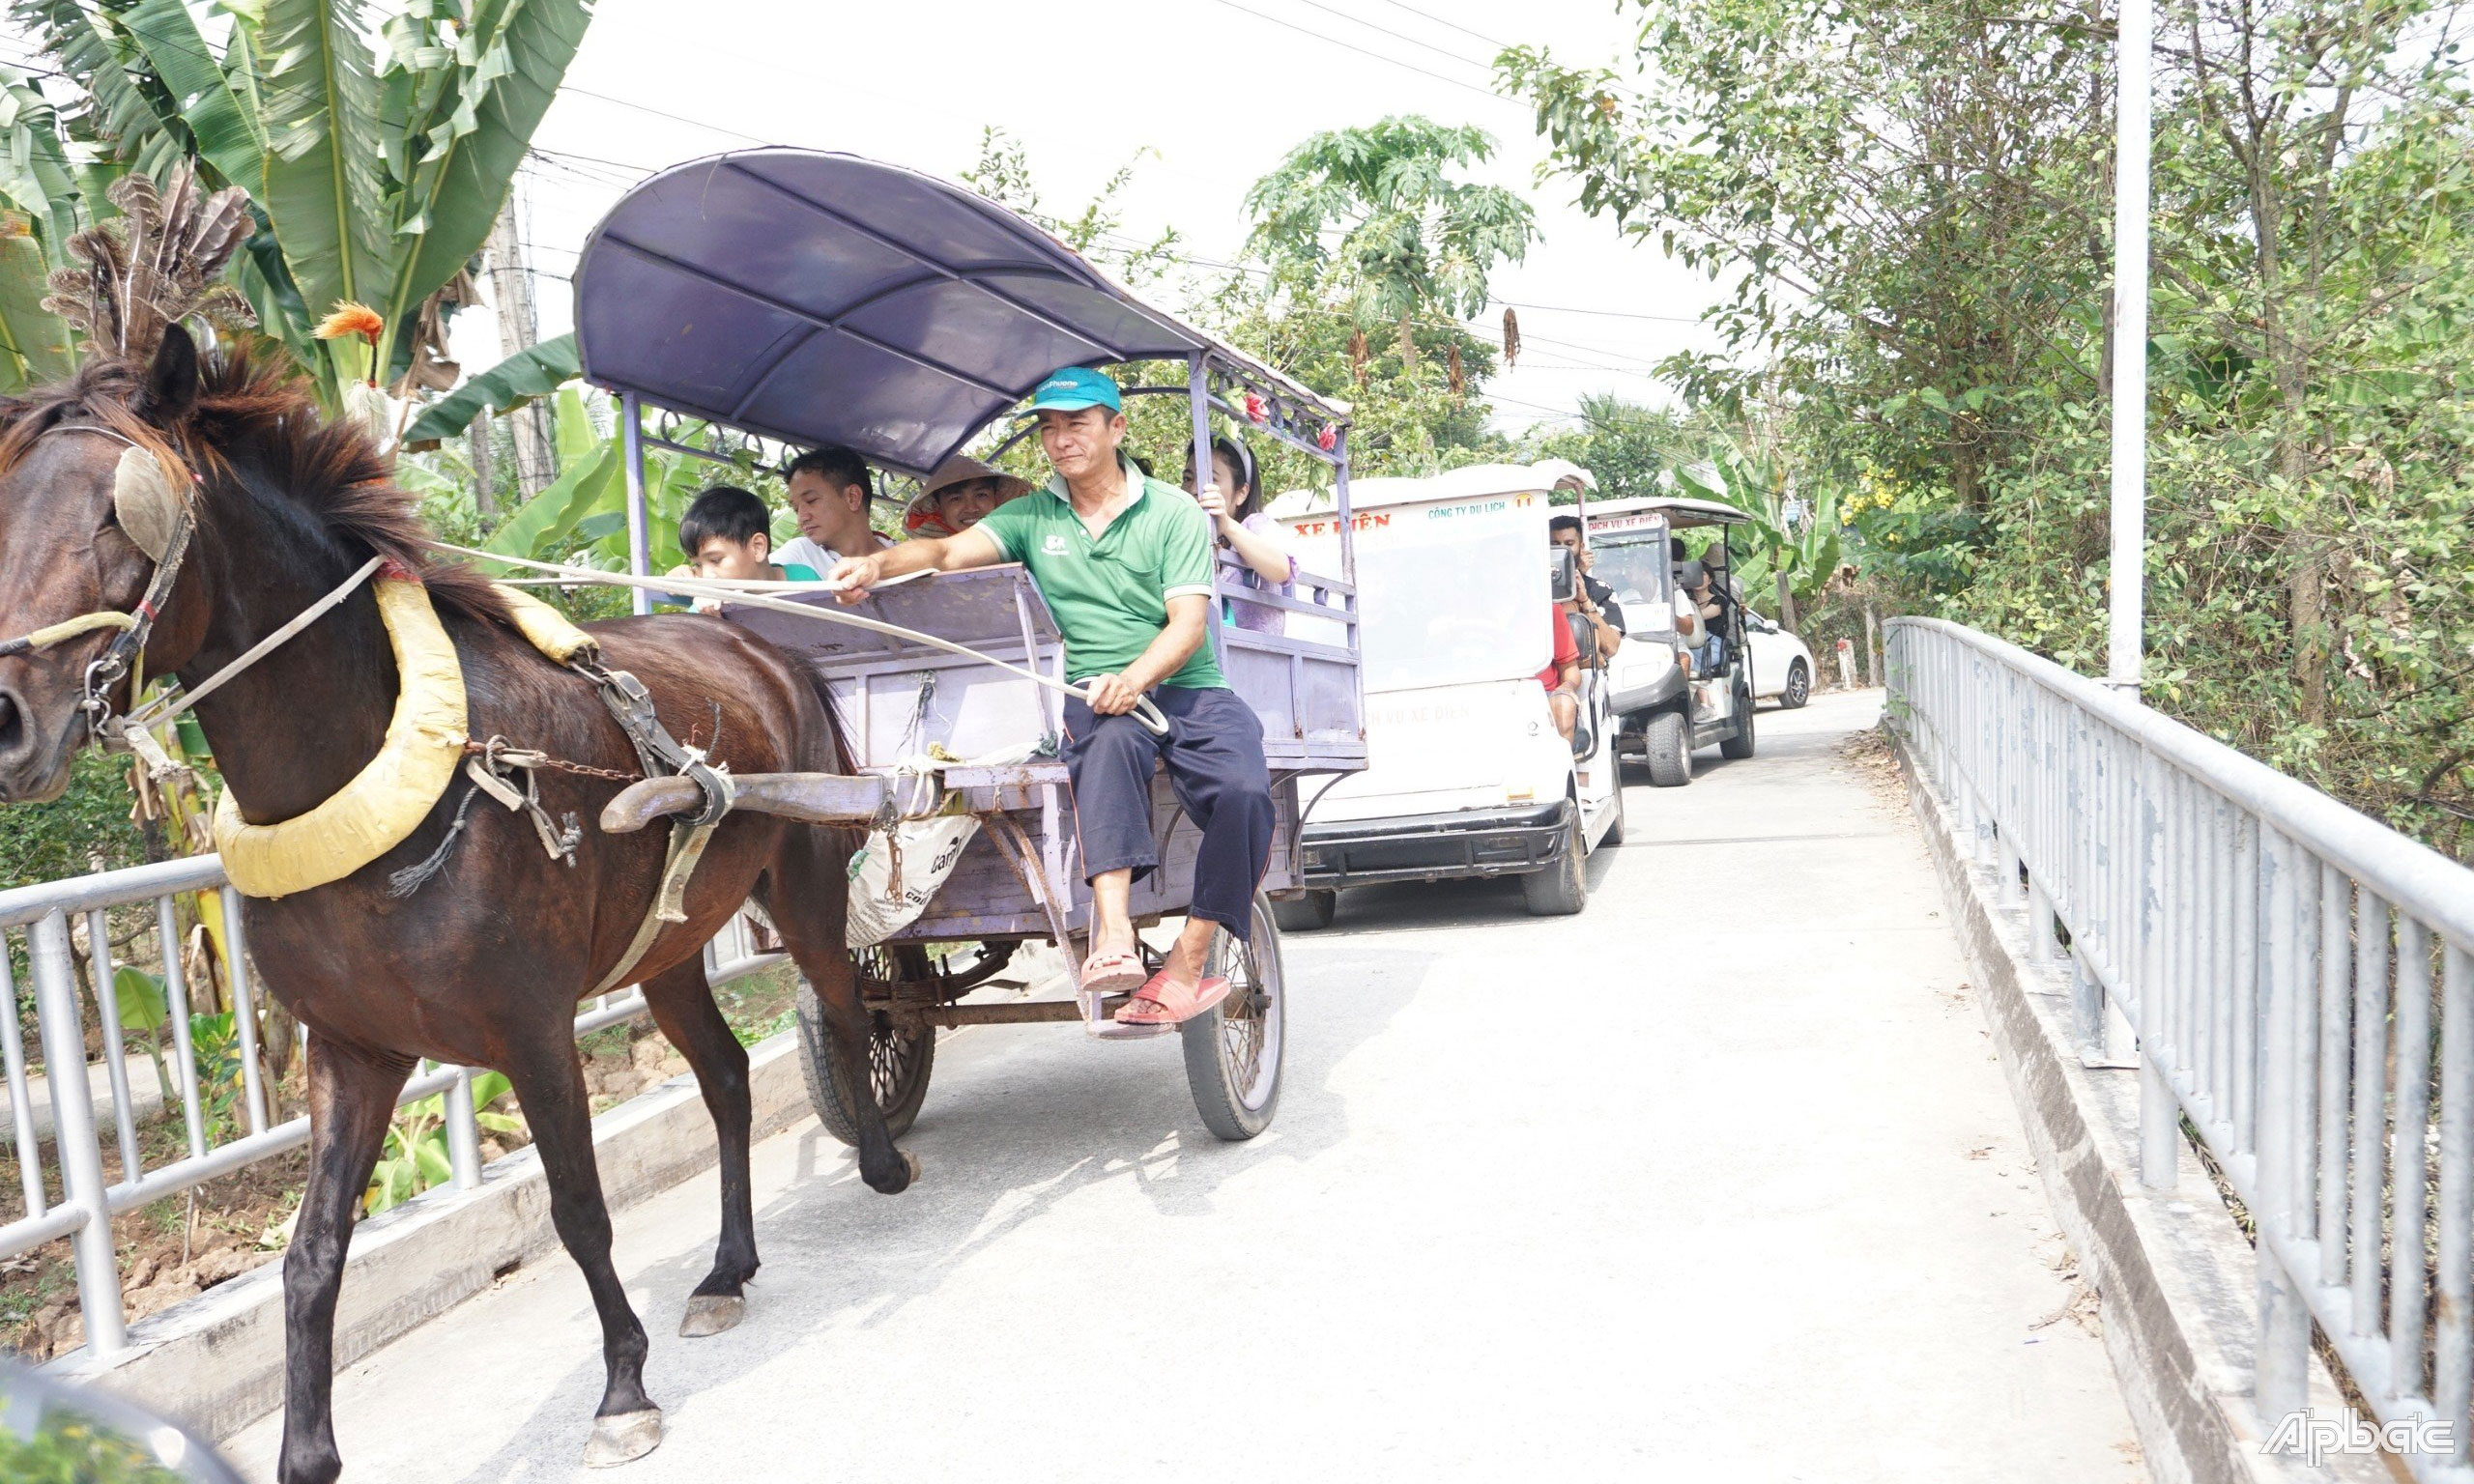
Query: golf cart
{"type": "Point", "coordinates": [1466, 774]}
{"type": "Point", "coordinates": [1659, 719]}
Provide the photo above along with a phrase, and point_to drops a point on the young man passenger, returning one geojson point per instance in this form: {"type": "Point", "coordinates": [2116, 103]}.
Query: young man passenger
{"type": "Point", "coordinates": [830, 489]}
{"type": "Point", "coordinates": [1126, 565]}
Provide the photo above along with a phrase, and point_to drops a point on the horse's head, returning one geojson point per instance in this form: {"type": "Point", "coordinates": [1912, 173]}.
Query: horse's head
{"type": "Point", "coordinates": [81, 525]}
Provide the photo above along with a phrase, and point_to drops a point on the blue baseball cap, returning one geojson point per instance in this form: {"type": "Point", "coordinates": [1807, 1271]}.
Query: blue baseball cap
{"type": "Point", "coordinates": [1071, 389]}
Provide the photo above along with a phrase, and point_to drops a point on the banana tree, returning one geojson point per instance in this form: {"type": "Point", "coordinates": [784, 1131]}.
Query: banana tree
{"type": "Point", "coordinates": [1799, 555]}
{"type": "Point", "coordinates": [377, 152]}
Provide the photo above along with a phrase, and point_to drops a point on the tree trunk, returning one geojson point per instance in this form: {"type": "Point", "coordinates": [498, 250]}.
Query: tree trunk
{"type": "Point", "coordinates": [1872, 648]}
{"type": "Point", "coordinates": [1786, 603]}
{"type": "Point", "coordinates": [536, 457]}
{"type": "Point", "coordinates": [485, 501]}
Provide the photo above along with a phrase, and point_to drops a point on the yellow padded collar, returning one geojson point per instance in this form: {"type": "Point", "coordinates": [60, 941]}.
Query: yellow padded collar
{"type": "Point", "coordinates": [389, 798]}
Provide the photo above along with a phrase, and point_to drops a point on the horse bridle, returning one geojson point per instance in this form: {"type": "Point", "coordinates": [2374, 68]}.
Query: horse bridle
{"type": "Point", "coordinates": [136, 625]}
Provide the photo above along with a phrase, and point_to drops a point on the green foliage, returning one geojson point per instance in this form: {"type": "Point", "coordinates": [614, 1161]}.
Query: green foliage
{"type": "Point", "coordinates": [529, 374]}
{"type": "Point", "coordinates": [376, 152]}
{"type": "Point", "coordinates": [1410, 238]}
{"type": "Point", "coordinates": [1914, 201]}
{"type": "Point", "coordinates": [215, 1041]}
{"type": "Point", "coordinates": [66, 1448]}
{"type": "Point", "coordinates": [90, 822]}
{"type": "Point", "coordinates": [416, 1155]}
{"type": "Point", "coordinates": [1624, 444]}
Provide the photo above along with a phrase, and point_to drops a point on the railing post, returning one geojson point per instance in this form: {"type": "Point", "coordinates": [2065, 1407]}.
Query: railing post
{"type": "Point", "coordinates": [2086, 1010]}
{"type": "Point", "coordinates": [2040, 935]}
{"type": "Point", "coordinates": [2281, 1384]}
{"type": "Point", "coordinates": [463, 1132]}
{"type": "Point", "coordinates": [72, 1122]}
{"type": "Point", "coordinates": [2160, 1125]}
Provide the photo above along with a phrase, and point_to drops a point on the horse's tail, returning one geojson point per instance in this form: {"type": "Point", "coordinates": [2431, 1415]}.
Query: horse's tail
{"type": "Point", "coordinates": [837, 731]}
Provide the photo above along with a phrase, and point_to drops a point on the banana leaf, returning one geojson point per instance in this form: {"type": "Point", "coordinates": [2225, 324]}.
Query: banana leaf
{"type": "Point", "coordinates": [36, 340]}
{"type": "Point", "coordinates": [521, 378]}
{"type": "Point", "coordinates": [519, 51]}
{"type": "Point", "coordinates": [224, 132]}
{"type": "Point", "coordinates": [325, 191]}
{"type": "Point", "coordinates": [542, 527]}
{"type": "Point", "coordinates": [34, 167]}
{"type": "Point", "coordinates": [137, 130]}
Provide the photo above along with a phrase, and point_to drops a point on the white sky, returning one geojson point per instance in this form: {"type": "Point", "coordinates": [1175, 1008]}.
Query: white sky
{"type": "Point", "coordinates": [1217, 92]}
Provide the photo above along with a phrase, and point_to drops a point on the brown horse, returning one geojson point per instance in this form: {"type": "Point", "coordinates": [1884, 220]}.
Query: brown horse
{"type": "Point", "coordinates": [484, 963]}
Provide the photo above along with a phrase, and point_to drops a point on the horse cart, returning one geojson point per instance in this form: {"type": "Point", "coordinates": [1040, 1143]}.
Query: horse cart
{"type": "Point", "coordinates": [816, 299]}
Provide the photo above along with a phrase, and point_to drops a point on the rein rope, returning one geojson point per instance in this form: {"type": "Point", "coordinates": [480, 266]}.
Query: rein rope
{"type": "Point", "coordinates": [761, 595]}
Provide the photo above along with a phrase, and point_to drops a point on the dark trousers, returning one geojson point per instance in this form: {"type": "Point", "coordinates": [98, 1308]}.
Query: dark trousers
{"type": "Point", "coordinates": [1214, 752]}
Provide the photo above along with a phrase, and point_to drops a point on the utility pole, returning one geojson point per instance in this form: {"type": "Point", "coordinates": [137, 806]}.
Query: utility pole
{"type": "Point", "coordinates": [2129, 600]}
{"type": "Point", "coordinates": [536, 457]}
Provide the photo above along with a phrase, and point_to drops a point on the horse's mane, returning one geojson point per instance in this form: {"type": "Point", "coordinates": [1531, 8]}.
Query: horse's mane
{"type": "Point", "coordinates": [254, 408]}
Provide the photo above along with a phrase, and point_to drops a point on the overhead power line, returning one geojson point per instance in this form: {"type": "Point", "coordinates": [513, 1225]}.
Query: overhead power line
{"type": "Point", "coordinates": [1333, 41]}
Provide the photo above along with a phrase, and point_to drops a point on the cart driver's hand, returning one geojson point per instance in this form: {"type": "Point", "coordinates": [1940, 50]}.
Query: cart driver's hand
{"type": "Point", "coordinates": [1109, 695]}
{"type": "Point", "coordinates": [852, 577]}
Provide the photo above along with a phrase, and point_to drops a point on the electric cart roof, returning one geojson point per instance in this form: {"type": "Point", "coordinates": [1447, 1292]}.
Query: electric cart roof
{"type": "Point", "coordinates": [1680, 514]}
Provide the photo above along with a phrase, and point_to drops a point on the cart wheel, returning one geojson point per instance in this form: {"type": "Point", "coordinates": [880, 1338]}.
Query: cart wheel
{"type": "Point", "coordinates": [1307, 913]}
{"type": "Point", "coordinates": [1739, 745]}
{"type": "Point", "coordinates": [1233, 1052]}
{"type": "Point", "coordinates": [1670, 747]}
{"type": "Point", "coordinates": [898, 1062]}
{"type": "Point", "coordinates": [1561, 889]}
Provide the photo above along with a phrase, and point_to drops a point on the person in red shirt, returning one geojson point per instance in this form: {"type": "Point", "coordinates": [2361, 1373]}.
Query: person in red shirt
{"type": "Point", "coordinates": [1562, 676]}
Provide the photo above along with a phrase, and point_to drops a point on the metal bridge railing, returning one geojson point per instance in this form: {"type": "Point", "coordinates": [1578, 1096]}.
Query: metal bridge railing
{"type": "Point", "coordinates": [2300, 979]}
{"type": "Point", "coordinates": [44, 912]}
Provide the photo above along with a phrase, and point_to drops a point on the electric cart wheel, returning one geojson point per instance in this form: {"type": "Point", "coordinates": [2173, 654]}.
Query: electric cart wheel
{"type": "Point", "coordinates": [1234, 1051]}
{"type": "Point", "coordinates": [1307, 913]}
{"type": "Point", "coordinates": [1561, 889]}
{"type": "Point", "coordinates": [898, 1062]}
{"type": "Point", "coordinates": [1670, 747]}
{"type": "Point", "coordinates": [1739, 745]}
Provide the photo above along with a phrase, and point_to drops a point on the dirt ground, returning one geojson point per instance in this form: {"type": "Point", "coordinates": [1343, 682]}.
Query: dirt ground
{"type": "Point", "coordinates": [180, 1247]}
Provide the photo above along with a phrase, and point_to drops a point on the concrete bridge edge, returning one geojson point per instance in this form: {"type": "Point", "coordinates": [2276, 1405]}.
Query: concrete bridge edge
{"type": "Point", "coordinates": [2175, 1279]}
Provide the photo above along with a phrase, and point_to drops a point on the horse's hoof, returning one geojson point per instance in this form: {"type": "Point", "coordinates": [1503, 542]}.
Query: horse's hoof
{"type": "Point", "coordinates": [709, 1314]}
{"type": "Point", "coordinates": [622, 1437]}
{"type": "Point", "coordinates": [912, 1160]}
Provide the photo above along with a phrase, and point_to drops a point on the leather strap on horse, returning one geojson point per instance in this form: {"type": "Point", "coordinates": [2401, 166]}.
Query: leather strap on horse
{"type": "Point", "coordinates": [660, 753]}
{"type": "Point", "coordinates": [687, 843]}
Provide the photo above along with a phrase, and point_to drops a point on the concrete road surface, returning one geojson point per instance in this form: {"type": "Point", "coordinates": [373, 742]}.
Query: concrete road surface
{"type": "Point", "coordinates": [1718, 1181]}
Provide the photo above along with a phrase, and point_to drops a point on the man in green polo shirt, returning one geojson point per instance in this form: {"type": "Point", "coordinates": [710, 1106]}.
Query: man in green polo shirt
{"type": "Point", "coordinates": [1125, 562]}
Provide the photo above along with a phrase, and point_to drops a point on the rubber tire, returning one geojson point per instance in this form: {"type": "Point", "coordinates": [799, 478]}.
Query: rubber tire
{"type": "Point", "coordinates": [825, 1093]}
{"type": "Point", "coordinates": [1799, 688]}
{"type": "Point", "coordinates": [1225, 1108]}
{"type": "Point", "coordinates": [1739, 745]}
{"type": "Point", "coordinates": [1309, 913]}
{"type": "Point", "coordinates": [1563, 888]}
{"type": "Point", "coordinates": [1670, 748]}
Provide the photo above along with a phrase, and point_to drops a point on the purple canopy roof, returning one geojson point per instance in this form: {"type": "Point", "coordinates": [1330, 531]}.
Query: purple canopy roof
{"type": "Point", "coordinates": [825, 299]}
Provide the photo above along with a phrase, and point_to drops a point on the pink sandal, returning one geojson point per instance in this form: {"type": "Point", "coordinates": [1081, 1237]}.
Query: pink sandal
{"type": "Point", "coordinates": [1162, 1001]}
{"type": "Point", "coordinates": [1111, 973]}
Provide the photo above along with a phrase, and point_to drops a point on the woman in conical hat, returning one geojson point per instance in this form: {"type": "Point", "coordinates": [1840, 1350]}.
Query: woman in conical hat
{"type": "Point", "coordinates": [959, 495]}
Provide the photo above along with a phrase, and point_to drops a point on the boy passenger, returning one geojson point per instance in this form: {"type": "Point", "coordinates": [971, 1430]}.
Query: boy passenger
{"type": "Point", "coordinates": [1126, 565]}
